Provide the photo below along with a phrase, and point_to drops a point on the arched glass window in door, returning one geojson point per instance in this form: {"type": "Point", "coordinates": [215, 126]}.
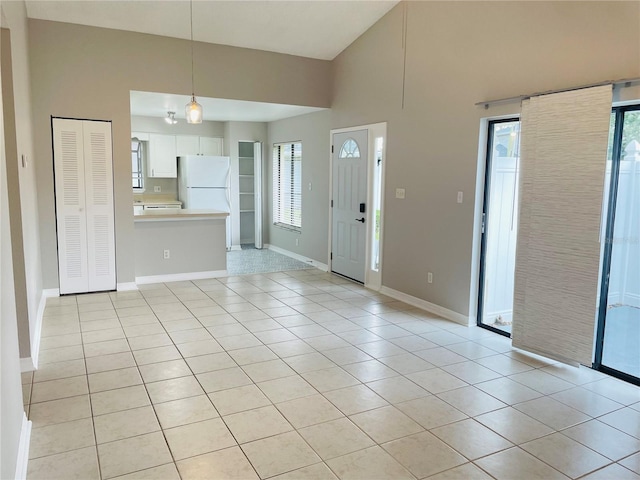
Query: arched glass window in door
{"type": "Point", "coordinates": [349, 149]}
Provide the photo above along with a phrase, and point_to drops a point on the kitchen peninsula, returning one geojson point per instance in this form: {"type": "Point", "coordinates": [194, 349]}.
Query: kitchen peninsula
{"type": "Point", "coordinates": [179, 244]}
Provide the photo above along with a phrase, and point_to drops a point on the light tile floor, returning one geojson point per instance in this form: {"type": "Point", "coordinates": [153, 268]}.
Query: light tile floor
{"type": "Point", "coordinates": [305, 375]}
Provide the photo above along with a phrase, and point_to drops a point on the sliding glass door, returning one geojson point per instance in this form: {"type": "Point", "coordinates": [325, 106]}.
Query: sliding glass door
{"type": "Point", "coordinates": [499, 227]}
{"type": "Point", "coordinates": [618, 339]}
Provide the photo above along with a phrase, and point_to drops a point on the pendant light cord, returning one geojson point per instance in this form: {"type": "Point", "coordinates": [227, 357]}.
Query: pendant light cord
{"type": "Point", "coordinates": [191, 20]}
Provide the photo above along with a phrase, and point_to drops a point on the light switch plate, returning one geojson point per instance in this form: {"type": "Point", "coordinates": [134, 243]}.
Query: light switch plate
{"type": "Point", "coordinates": [157, 189]}
{"type": "Point", "coordinates": [459, 197]}
{"type": "Point", "coordinates": [400, 192]}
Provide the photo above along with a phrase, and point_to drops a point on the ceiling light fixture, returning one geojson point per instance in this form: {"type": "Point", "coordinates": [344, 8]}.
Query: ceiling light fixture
{"type": "Point", "coordinates": [171, 118]}
{"type": "Point", "coordinates": [193, 110]}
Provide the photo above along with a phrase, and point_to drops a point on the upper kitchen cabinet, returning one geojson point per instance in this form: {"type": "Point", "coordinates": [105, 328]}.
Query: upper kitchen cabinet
{"type": "Point", "coordinates": [162, 156]}
{"type": "Point", "coordinates": [195, 145]}
{"type": "Point", "coordinates": [210, 146]}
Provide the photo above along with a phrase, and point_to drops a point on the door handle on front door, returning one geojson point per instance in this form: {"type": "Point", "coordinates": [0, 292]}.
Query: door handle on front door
{"type": "Point", "coordinates": [361, 220]}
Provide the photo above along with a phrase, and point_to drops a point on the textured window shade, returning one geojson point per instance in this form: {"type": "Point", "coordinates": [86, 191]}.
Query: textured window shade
{"type": "Point", "coordinates": [287, 185]}
{"type": "Point", "coordinates": [563, 153]}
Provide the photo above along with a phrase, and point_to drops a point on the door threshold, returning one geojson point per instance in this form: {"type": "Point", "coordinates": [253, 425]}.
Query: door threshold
{"type": "Point", "coordinates": [348, 278]}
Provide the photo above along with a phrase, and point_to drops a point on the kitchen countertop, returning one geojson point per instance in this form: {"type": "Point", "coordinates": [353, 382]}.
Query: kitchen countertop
{"type": "Point", "coordinates": [156, 202]}
{"type": "Point", "coordinates": [179, 214]}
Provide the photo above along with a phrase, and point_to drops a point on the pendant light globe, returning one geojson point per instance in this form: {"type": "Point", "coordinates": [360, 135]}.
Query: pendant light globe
{"type": "Point", "coordinates": [193, 111]}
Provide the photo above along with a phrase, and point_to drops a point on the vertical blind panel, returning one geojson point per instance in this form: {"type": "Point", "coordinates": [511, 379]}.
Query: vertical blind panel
{"type": "Point", "coordinates": [563, 153]}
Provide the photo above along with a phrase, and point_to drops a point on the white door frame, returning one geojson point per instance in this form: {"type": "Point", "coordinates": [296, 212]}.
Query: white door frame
{"type": "Point", "coordinates": [372, 278]}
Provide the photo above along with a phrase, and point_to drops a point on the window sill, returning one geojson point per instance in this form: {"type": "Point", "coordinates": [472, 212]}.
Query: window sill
{"type": "Point", "coordinates": [289, 228]}
{"type": "Point", "coordinates": [138, 190]}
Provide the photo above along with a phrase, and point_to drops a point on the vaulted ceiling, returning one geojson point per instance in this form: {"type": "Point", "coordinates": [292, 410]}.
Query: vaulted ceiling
{"type": "Point", "coordinates": [310, 28]}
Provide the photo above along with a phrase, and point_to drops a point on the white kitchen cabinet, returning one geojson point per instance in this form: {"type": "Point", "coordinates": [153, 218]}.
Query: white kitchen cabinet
{"type": "Point", "coordinates": [83, 166]}
{"type": "Point", "coordinates": [210, 146]}
{"type": "Point", "coordinates": [162, 156]}
{"type": "Point", "coordinates": [138, 209]}
{"type": "Point", "coordinates": [195, 145]}
{"type": "Point", "coordinates": [187, 145]}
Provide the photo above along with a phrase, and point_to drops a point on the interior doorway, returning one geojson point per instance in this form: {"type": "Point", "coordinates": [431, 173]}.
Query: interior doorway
{"type": "Point", "coordinates": [250, 193]}
{"type": "Point", "coordinates": [499, 226]}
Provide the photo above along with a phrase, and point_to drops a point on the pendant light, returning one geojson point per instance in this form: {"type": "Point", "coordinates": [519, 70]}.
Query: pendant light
{"type": "Point", "coordinates": [193, 110]}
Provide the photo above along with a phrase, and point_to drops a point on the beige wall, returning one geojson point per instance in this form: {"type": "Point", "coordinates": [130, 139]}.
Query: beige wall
{"type": "Point", "coordinates": [459, 53]}
{"type": "Point", "coordinates": [194, 246]}
{"type": "Point", "coordinates": [313, 131]}
{"type": "Point", "coordinates": [13, 193]}
{"type": "Point", "coordinates": [11, 411]}
{"type": "Point", "coordinates": [22, 180]}
{"type": "Point", "coordinates": [87, 72]}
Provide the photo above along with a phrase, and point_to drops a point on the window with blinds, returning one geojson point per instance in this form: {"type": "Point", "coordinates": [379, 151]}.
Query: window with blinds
{"type": "Point", "coordinates": [287, 185]}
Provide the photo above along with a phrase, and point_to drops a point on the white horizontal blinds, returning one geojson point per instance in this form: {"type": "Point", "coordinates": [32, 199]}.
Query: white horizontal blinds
{"type": "Point", "coordinates": [99, 198]}
{"type": "Point", "coordinates": [287, 184]}
{"type": "Point", "coordinates": [563, 153]}
{"type": "Point", "coordinates": [70, 205]}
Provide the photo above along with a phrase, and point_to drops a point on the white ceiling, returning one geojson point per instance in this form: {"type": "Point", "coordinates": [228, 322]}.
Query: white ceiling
{"type": "Point", "coordinates": [150, 104]}
{"type": "Point", "coordinates": [310, 28]}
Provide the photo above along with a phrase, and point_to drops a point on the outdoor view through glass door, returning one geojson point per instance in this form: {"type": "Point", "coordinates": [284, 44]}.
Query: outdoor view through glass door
{"type": "Point", "coordinates": [500, 226]}
{"type": "Point", "coordinates": [618, 340]}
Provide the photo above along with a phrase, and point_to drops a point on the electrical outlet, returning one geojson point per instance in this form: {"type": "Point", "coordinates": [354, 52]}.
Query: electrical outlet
{"type": "Point", "coordinates": [400, 192]}
{"type": "Point", "coordinates": [429, 277]}
{"type": "Point", "coordinates": [157, 189]}
{"type": "Point", "coordinates": [167, 254]}
{"type": "Point", "coordinates": [297, 242]}
{"type": "Point", "coordinates": [310, 186]}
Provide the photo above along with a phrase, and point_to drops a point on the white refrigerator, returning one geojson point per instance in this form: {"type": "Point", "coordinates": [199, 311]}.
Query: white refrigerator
{"type": "Point", "coordinates": [203, 184]}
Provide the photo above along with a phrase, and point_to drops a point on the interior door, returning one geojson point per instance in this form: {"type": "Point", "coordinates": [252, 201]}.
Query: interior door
{"type": "Point", "coordinates": [84, 205]}
{"type": "Point", "coordinates": [71, 219]}
{"type": "Point", "coordinates": [101, 252]}
{"type": "Point", "coordinates": [349, 197]}
{"type": "Point", "coordinates": [257, 192]}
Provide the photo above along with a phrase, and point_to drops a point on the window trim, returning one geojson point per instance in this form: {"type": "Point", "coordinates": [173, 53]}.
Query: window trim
{"type": "Point", "coordinates": [295, 190]}
{"type": "Point", "coordinates": [140, 176]}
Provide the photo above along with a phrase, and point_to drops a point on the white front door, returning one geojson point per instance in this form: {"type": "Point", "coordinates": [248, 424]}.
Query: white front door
{"type": "Point", "coordinates": [349, 197]}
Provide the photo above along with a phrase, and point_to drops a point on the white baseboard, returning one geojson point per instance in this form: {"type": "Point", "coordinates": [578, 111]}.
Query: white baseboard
{"type": "Point", "coordinates": [29, 364]}
{"type": "Point", "coordinates": [319, 265]}
{"type": "Point", "coordinates": [127, 286]}
{"type": "Point", "coordinates": [51, 292]}
{"type": "Point", "coordinates": [235, 248]}
{"type": "Point", "coordinates": [23, 449]}
{"type": "Point", "coordinates": [428, 306]}
{"type": "Point", "coordinates": [181, 277]}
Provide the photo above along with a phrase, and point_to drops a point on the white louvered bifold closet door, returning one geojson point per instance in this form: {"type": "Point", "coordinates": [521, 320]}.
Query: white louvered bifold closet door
{"type": "Point", "coordinates": [99, 201]}
{"type": "Point", "coordinates": [84, 205]}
